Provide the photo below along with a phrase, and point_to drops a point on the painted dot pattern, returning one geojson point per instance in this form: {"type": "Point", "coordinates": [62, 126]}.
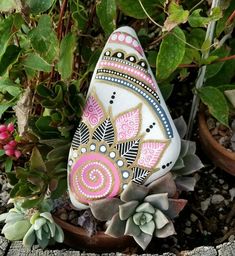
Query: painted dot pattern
{"type": "Point", "coordinates": [156, 107]}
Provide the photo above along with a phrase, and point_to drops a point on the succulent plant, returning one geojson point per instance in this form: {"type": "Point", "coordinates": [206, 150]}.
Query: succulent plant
{"type": "Point", "coordinates": [31, 225]}
{"type": "Point", "coordinates": [43, 230]}
{"type": "Point", "coordinates": [188, 162]}
{"type": "Point", "coordinates": [141, 212]}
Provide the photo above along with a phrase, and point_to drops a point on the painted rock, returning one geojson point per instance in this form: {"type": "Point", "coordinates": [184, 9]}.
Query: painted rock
{"type": "Point", "coordinates": [126, 132]}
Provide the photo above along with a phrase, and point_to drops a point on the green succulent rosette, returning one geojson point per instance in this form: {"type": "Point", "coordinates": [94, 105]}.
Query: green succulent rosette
{"type": "Point", "coordinates": [142, 212]}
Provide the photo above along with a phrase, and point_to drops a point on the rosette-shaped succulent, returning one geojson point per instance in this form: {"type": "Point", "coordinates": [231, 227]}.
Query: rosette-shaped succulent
{"type": "Point", "coordinates": [141, 212]}
{"type": "Point", "coordinates": [188, 162]}
{"type": "Point", "coordinates": [43, 230]}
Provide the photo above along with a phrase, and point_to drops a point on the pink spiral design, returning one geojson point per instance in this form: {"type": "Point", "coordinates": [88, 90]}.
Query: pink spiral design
{"type": "Point", "coordinates": [93, 177]}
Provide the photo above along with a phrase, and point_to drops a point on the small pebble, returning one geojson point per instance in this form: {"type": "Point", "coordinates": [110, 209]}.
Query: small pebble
{"type": "Point", "coordinates": [232, 193]}
{"type": "Point", "coordinates": [188, 231]}
{"type": "Point", "coordinates": [193, 217]}
{"type": "Point", "coordinates": [210, 123]}
{"type": "Point", "coordinates": [225, 228]}
{"type": "Point", "coordinates": [205, 204]}
{"type": "Point", "coordinates": [214, 176]}
{"type": "Point", "coordinates": [215, 131]}
{"type": "Point", "coordinates": [63, 216]}
{"type": "Point", "coordinates": [221, 181]}
{"type": "Point", "coordinates": [225, 186]}
{"type": "Point", "coordinates": [188, 223]}
{"type": "Point", "coordinates": [231, 238]}
{"type": "Point", "coordinates": [217, 199]}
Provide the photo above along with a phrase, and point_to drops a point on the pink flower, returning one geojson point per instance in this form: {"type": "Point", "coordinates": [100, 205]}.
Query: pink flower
{"type": "Point", "coordinates": [3, 128]}
{"type": "Point", "coordinates": [12, 143]}
{"type": "Point", "coordinates": [10, 127]}
{"type": "Point", "coordinates": [10, 152]}
{"type": "Point", "coordinates": [17, 154]}
{"type": "Point", "coordinates": [4, 135]}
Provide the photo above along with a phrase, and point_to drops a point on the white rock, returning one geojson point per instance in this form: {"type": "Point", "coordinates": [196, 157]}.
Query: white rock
{"type": "Point", "coordinates": [205, 204]}
{"type": "Point", "coordinates": [231, 238]}
{"type": "Point", "coordinates": [232, 193]}
{"type": "Point", "coordinates": [193, 217]}
{"type": "Point", "coordinates": [188, 231]}
{"type": "Point", "coordinates": [221, 181]}
{"type": "Point", "coordinates": [217, 199]}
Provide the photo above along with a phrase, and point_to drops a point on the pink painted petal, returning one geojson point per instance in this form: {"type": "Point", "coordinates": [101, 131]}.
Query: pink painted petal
{"type": "Point", "coordinates": [93, 112]}
{"type": "Point", "coordinates": [151, 152]}
{"type": "Point", "coordinates": [128, 124]}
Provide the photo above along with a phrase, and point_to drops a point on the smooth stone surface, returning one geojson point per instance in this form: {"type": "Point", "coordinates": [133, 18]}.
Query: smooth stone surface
{"type": "Point", "coordinates": [126, 131]}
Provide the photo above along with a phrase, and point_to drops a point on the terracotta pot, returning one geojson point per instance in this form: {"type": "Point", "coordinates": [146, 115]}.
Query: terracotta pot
{"type": "Point", "coordinates": [78, 238]}
{"type": "Point", "coordinates": [217, 153]}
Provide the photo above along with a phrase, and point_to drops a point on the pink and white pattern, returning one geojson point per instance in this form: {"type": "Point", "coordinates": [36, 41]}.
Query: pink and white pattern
{"type": "Point", "coordinates": [126, 39]}
{"type": "Point", "coordinates": [93, 112]}
{"type": "Point", "coordinates": [128, 125]}
{"type": "Point", "coordinates": [151, 153]}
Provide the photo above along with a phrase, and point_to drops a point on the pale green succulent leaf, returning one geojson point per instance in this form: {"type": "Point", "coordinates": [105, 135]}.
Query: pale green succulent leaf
{"type": "Point", "coordinates": [47, 215]}
{"type": "Point", "coordinates": [134, 192]}
{"type": "Point", "coordinates": [137, 217]}
{"type": "Point", "coordinates": [52, 228]}
{"type": "Point", "coordinates": [143, 240]}
{"type": "Point", "coordinates": [59, 234]}
{"type": "Point", "coordinates": [185, 183]}
{"type": "Point", "coordinates": [116, 227]}
{"type": "Point", "coordinates": [34, 217]}
{"type": "Point", "coordinates": [39, 222]}
{"type": "Point", "coordinates": [104, 209]}
{"type": "Point", "coordinates": [167, 230]}
{"type": "Point", "coordinates": [127, 209]}
{"type": "Point", "coordinates": [14, 216]}
{"type": "Point", "coordinates": [145, 207]}
{"type": "Point", "coordinates": [46, 228]}
{"type": "Point", "coordinates": [160, 219]}
{"type": "Point", "coordinates": [16, 230]}
{"type": "Point", "coordinates": [43, 243]}
{"type": "Point", "coordinates": [181, 126]}
{"type": "Point", "coordinates": [179, 164]}
{"type": "Point", "coordinates": [39, 233]}
{"type": "Point", "coordinates": [159, 201]}
{"type": "Point", "coordinates": [29, 238]}
{"type": "Point", "coordinates": [3, 216]}
{"type": "Point", "coordinates": [175, 207]}
{"type": "Point", "coordinates": [131, 228]}
{"type": "Point", "coordinates": [162, 185]}
{"type": "Point", "coordinates": [148, 228]}
{"type": "Point", "coordinates": [192, 164]}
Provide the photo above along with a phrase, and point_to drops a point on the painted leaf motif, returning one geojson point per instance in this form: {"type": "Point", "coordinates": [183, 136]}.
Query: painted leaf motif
{"type": "Point", "coordinates": [81, 135]}
{"type": "Point", "coordinates": [93, 112]}
{"type": "Point", "coordinates": [105, 132]}
{"type": "Point", "coordinates": [150, 153]}
{"type": "Point", "coordinates": [129, 150]}
{"type": "Point", "coordinates": [128, 125]}
{"type": "Point", "coordinates": [139, 175]}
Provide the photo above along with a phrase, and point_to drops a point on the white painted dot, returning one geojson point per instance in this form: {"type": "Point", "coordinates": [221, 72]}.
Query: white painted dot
{"type": "Point", "coordinates": [83, 150]}
{"type": "Point", "coordinates": [114, 37]}
{"type": "Point", "coordinates": [128, 39]}
{"type": "Point", "coordinates": [120, 163]}
{"type": "Point", "coordinates": [102, 148]}
{"type": "Point", "coordinates": [132, 58]}
{"type": "Point", "coordinates": [92, 147]}
{"type": "Point", "coordinates": [121, 37]}
{"type": "Point", "coordinates": [70, 162]}
{"type": "Point", "coordinates": [125, 175]}
{"type": "Point", "coordinates": [112, 154]}
{"type": "Point", "coordinates": [75, 154]}
{"type": "Point", "coordinates": [107, 53]}
{"type": "Point", "coordinates": [119, 55]}
{"type": "Point", "coordinates": [124, 186]}
{"type": "Point", "coordinates": [135, 43]}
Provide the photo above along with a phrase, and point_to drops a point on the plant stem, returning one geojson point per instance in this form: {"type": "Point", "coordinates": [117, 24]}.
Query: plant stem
{"type": "Point", "coordinates": [201, 73]}
{"type": "Point", "coordinates": [60, 27]}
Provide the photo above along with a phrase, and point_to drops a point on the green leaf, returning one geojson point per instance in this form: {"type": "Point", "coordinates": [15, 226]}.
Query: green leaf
{"type": "Point", "coordinates": [3, 108]}
{"type": "Point", "coordinates": [35, 62]}
{"type": "Point", "coordinates": [31, 203]}
{"type": "Point", "coordinates": [196, 20]}
{"type": "Point", "coordinates": [171, 53]}
{"type": "Point", "coordinates": [9, 5]}
{"type": "Point", "coordinates": [10, 56]}
{"type": "Point", "coordinates": [5, 32]}
{"type": "Point", "coordinates": [216, 102]}
{"type": "Point", "coordinates": [166, 89]}
{"type": "Point", "coordinates": [226, 87]}
{"type": "Point", "coordinates": [177, 15]}
{"type": "Point", "coordinates": [133, 9]}
{"type": "Point", "coordinates": [106, 12]}
{"type": "Point", "coordinates": [44, 40]}
{"type": "Point", "coordinates": [65, 64]}
{"type": "Point", "coordinates": [79, 15]}
{"type": "Point", "coordinates": [38, 6]}
{"type": "Point", "coordinates": [8, 164]}
{"type": "Point", "coordinates": [213, 69]}
{"type": "Point", "coordinates": [36, 161]}
{"type": "Point", "coordinates": [6, 85]}
{"type": "Point", "coordinates": [60, 189]}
